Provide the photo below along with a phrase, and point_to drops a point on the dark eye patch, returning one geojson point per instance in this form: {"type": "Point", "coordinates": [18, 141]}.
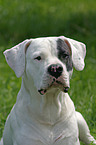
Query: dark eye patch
{"type": "Point", "coordinates": [64, 54]}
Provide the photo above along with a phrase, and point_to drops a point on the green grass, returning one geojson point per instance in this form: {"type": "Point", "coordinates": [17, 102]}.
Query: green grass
{"type": "Point", "coordinates": [34, 18]}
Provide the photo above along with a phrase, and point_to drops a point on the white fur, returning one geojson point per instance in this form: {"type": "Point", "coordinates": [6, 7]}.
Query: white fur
{"type": "Point", "coordinates": [48, 119]}
{"type": "Point", "coordinates": [78, 53]}
{"type": "Point", "coordinates": [15, 57]}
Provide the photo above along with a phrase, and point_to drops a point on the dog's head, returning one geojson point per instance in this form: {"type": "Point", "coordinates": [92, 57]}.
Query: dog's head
{"type": "Point", "coordinates": [47, 61]}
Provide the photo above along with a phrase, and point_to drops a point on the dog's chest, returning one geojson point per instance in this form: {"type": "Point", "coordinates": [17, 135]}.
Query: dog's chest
{"type": "Point", "coordinates": [61, 134]}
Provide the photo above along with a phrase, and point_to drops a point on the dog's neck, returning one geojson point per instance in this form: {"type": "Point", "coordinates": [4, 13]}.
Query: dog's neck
{"type": "Point", "coordinates": [49, 108]}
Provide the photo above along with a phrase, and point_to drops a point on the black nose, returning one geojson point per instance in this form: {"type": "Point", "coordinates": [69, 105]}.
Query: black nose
{"type": "Point", "coordinates": [55, 70]}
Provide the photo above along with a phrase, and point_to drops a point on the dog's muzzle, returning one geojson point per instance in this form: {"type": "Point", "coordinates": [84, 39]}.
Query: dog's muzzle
{"type": "Point", "coordinates": [55, 71]}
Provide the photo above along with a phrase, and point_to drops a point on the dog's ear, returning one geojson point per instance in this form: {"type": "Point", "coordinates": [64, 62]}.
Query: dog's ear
{"type": "Point", "coordinates": [78, 51]}
{"type": "Point", "coordinates": [15, 57]}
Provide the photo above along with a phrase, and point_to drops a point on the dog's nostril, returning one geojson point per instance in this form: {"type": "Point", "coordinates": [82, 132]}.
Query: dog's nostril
{"type": "Point", "coordinates": [59, 69]}
{"type": "Point", "coordinates": [55, 70]}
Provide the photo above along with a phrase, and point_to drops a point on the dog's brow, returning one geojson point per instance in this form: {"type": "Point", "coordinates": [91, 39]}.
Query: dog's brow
{"type": "Point", "coordinates": [63, 50]}
{"type": "Point", "coordinates": [62, 46]}
{"type": "Point", "coordinates": [42, 54]}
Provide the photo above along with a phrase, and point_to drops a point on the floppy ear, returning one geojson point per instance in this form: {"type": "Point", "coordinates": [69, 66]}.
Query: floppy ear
{"type": "Point", "coordinates": [15, 57]}
{"type": "Point", "coordinates": [78, 51]}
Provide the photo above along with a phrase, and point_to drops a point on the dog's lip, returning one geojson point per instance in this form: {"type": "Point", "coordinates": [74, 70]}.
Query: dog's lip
{"type": "Point", "coordinates": [54, 83]}
{"type": "Point", "coordinates": [66, 89]}
{"type": "Point", "coordinates": [42, 91]}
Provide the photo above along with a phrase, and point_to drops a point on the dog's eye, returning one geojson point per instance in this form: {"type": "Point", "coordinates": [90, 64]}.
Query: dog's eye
{"type": "Point", "coordinates": [65, 56]}
{"type": "Point", "coordinates": [38, 58]}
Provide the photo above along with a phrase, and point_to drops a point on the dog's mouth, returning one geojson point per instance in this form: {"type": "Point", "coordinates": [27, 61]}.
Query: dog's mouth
{"type": "Point", "coordinates": [56, 84]}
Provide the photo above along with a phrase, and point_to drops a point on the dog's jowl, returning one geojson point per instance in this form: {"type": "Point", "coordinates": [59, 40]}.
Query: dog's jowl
{"type": "Point", "coordinates": [44, 114]}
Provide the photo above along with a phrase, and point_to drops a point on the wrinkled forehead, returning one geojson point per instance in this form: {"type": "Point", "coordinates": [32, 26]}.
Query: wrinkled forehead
{"type": "Point", "coordinates": [43, 44]}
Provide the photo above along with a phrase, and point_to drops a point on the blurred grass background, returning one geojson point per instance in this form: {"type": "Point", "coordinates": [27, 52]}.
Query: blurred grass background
{"type": "Point", "coordinates": [22, 19]}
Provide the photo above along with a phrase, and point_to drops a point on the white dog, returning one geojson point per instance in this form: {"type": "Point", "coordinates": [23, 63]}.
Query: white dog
{"type": "Point", "coordinates": [44, 114]}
